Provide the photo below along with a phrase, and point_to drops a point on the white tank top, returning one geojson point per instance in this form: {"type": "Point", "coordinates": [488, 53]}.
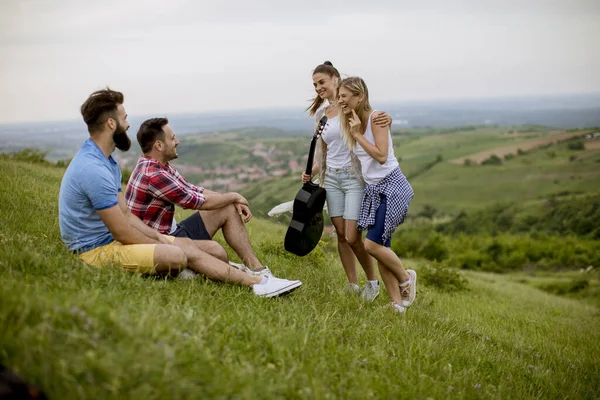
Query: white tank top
{"type": "Point", "coordinates": [338, 155]}
{"type": "Point", "coordinates": [372, 171]}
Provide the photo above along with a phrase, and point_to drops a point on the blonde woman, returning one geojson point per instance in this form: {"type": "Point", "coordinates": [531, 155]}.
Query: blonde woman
{"type": "Point", "coordinates": [339, 172]}
{"type": "Point", "coordinates": [387, 192]}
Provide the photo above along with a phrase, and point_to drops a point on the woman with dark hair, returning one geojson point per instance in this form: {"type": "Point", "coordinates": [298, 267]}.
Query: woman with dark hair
{"type": "Point", "coordinates": [339, 172]}
{"type": "Point", "coordinates": [387, 191]}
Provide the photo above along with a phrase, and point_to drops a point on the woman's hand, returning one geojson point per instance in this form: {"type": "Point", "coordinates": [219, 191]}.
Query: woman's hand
{"type": "Point", "coordinates": [305, 177]}
{"type": "Point", "coordinates": [381, 118]}
{"type": "Point", "coordinates": [355, 125]}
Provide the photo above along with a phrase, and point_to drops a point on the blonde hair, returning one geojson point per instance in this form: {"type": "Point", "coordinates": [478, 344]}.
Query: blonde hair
{"type": "Point", "coordinates": [356, 86]}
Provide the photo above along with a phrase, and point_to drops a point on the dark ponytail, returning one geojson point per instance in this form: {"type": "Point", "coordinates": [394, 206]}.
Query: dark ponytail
{"type": "Point", "coordinates": [325, 68]}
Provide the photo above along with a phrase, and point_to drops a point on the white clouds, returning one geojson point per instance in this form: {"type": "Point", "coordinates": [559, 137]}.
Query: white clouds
{"type": "Point", "coordinates": [182, 55]}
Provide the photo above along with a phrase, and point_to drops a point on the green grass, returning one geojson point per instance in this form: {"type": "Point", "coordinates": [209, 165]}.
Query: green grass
{"type": "Point", "coordinates": [86, 333]}
{"type": "Point", "coordinates": [451, 188]}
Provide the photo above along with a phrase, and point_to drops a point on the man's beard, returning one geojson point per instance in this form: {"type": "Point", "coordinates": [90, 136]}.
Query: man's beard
{"type": "Point", "coordinates": [122, 141]}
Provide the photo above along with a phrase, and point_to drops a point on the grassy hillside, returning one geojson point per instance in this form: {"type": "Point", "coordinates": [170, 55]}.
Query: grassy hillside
{"type": "Point", "coordinates": [85, 333]}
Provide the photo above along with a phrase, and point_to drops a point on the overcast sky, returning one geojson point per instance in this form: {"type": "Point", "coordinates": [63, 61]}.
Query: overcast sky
{"type": "Point", "coordinates": [176, 56]}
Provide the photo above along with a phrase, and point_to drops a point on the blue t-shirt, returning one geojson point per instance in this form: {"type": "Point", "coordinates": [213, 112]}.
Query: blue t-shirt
{"type": "Point", "coordinates": [91, 183]}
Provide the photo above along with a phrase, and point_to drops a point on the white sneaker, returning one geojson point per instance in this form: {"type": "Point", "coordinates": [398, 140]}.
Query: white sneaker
{"type": "Point", "coordinates": [263, 272]}
{"type": "Point", "coordinates": [397, 308]}
{"type": "Point", "coordinates": [275, 287]}
{"type": "Point", "coordinates": [187, 274]}
{"type": "Point", "coordinates": [409, 290]}
{"type": "Point", "coordinates": [353, 289]}
{"type": "Point", "coordinates": [370, 291]}
{"type": "Point", "coordinates": [242, 267]}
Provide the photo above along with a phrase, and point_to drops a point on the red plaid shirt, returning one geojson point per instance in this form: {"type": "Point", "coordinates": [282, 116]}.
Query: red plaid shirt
{"type": "Point", "coordinates": [155, 188]}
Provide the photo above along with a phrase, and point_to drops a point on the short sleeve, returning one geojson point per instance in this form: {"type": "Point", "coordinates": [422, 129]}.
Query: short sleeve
{"type": "Point", "coordinates": [100, 188]}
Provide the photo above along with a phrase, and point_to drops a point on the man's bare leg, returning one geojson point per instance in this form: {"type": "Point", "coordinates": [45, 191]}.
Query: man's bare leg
{"type": "Point", "coordinates": [169, 259]}
{"type": "Point", "coordinates": [213, 248]}
{"type": "Point", "coordinates": [212, 267]}
{"type": "Point", "coordinates": [234, 231]}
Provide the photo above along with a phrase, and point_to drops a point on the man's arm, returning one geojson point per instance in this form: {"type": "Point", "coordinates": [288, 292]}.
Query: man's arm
{"type": "Point", "coordinates": [216, 200]}
{"type": "Point", "coordinates": [137, 223]}
{"type": "Point", "coordinates": [175, 189]}
{"type": "Point", "coordinates": [121, 229]}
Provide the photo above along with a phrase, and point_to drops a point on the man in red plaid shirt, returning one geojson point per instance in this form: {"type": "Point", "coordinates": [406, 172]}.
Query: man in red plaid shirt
{"type": "Point", "coordinates": [155, 187]}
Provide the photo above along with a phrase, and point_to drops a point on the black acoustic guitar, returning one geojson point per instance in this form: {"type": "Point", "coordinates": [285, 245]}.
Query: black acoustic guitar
{"type": "Point", "coordinates": [306, 227]}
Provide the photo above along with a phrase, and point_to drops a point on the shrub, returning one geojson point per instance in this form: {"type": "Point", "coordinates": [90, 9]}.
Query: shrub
{"type": "Point", "coordinates": [31, 155]}
{"type": "Point", "coordinates": [434, 249]}
{"type": "Point", "coordinates": [493, 160]}
{"type": "Point", "coordinates": [443, 278]}
{"type": "Point", "coordinates": [565, 288]}
{"type": "Point", "coordinates": [427, 211]}
{"type": "Point", "coordinates": [576, 145]}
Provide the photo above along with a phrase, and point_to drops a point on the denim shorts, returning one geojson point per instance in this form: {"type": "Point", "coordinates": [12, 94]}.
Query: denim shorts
{"type": "Point", "coordinates": [344, 193]}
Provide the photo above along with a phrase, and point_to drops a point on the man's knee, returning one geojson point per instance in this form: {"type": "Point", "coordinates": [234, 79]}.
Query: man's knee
{"type": "Point", "coordinates": [170, 258]}
{"type": "Point", "coordinates": [213, 248]}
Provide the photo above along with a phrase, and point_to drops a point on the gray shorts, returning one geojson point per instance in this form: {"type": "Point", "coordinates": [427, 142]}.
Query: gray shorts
{"type": "Point", "coordinates": [344, 193]}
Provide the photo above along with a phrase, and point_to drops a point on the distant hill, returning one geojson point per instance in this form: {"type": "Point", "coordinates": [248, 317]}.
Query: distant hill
{"type": "Point", "coordinates": [62, 139]}
{"type": "Point", "coordinates": [450, 188]}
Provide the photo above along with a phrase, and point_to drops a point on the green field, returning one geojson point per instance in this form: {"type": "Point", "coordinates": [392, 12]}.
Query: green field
{"type": "Point", "coordinates": [452, 188]}
{"type": "Point", "coordinates": [85, 333]}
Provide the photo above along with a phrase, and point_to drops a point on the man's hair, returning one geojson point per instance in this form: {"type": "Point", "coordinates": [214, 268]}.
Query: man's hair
{"type": "Point", "coordinates": [150, 131]}
{"type": "Point", "coordinates": [100, 106]}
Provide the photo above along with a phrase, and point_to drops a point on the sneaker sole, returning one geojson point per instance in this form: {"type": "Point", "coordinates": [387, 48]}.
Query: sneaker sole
{"type": "Point", "coordinates": [284, 290]}
{"type": "Point", "coordinates": [413, 287]}
{"type": "Point", "coordinates": [371, 300]}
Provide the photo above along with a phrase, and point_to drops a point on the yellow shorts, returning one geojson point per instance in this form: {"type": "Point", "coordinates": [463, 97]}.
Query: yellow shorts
{"type": "Point", "coordinates": [131, 257]}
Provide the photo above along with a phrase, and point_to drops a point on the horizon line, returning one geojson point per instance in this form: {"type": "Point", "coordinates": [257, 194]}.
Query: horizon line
{"type": "Point", "coordinates": [291, 107]}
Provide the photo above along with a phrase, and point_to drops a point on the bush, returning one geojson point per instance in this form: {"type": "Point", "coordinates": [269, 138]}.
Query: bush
{"type": "Point", "coordinates": [442, 278]}
{"type": "Point", "coordinates": [434, 249]}
{"type": "Point", "coordinates": [31, 155]}
{"type": "Point", "coordinates": [565, 288]}
{"type": "Point", "coordinates": [125, 175]}
{"type": "Point", "coordinates": [576, 145]}
{"type": "Point", "coordinates": [493, 160]}
{"type": "Point", "coordinates": [427, 212]}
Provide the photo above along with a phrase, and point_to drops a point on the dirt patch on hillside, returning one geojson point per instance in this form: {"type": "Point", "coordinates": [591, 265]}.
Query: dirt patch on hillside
{"type": "Point", "coordinates": [478, 158]}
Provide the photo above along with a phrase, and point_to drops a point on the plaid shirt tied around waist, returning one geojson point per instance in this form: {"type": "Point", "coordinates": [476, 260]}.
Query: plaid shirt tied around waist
{"type": "Point", "coordinates": [399, 194]}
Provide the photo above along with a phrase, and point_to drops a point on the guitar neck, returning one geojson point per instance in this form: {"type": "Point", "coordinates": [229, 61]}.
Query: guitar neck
{"type": "Point", "coordinates": [311, 155]}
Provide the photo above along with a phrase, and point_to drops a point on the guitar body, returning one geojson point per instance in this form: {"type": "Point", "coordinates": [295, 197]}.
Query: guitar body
{"type": "Point", "coordinates": [306, 226]}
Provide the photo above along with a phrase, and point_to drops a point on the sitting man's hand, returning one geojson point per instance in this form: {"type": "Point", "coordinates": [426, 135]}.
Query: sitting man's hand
{"type": "Point", "coordinates": [241, 200]}
{"type": "Point", "coordinates": [244, 212]}
{"type": "Point", "coordinates": [162, 239]}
